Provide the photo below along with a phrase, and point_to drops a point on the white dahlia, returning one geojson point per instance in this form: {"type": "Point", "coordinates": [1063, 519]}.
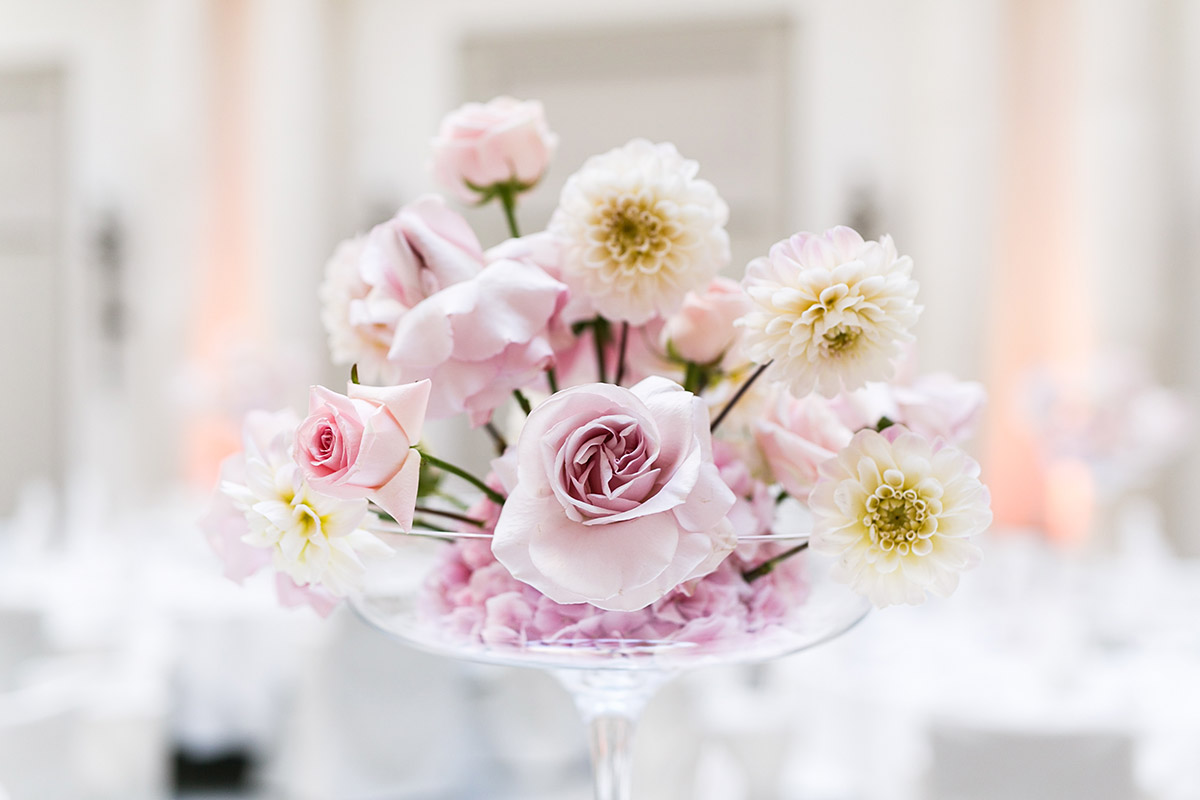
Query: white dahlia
{"type": "Point", "coordinates": [360, 329]}
{"type": "Point", "coordinates": [830, 310]}
{"type": "Point", "coordinates": [640, 231]}
{"type": "Point", "coordinates": [312, 537]}
{"type": "Point", "coordinates": [897, 514]}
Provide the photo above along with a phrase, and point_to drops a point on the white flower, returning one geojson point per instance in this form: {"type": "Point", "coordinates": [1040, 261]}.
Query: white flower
{"type": "Point", "coordinates": [313, 538]}
{"type": "Point", "coordinates": [898, 514]}
{"type": "Point", "coordinates": [830, 310]}
{"type": "Point", "coordinates": [640, 231]}
{"type": "Point", "coordinates": [358, 332]}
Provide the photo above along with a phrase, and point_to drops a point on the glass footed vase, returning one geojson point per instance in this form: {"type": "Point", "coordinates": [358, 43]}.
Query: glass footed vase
{"type": "Point", "coordinates": [445, 594]}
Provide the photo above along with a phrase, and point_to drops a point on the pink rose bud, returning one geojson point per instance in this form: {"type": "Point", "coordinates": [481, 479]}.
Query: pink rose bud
{"type": "Point", "coordinates": [702, 330]}
{"type": "Point", "coordinates": [361, 445]}
{"type": "Point", "coordinates": [481, 145]}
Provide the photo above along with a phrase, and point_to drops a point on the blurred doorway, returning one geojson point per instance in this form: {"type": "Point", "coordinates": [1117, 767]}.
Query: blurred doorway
{"type": "Point", "coordinates": [31, 363]}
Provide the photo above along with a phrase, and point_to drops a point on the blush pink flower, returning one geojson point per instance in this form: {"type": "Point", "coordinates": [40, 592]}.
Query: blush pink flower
{"type": "Point", "coordinates": [479, 339]}
{"type": "Point", "coordinates": [480, 145]}
{"type": "Point", "coordinates": [420, 251]}
{"type": "Point", "coordinates": [617, 500]}
{"type": "Point", "coordinates": [702, 330]}
{"type": "Point", "coordinates": [936, 406]}
{"type": "Point", "coordinates": [797, 435]}
{"type": "Point", "coordinates": [362, 445]}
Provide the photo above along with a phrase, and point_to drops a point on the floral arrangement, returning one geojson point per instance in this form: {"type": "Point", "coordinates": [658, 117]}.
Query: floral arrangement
{"type": "Point", "coordinates": [652, 420]}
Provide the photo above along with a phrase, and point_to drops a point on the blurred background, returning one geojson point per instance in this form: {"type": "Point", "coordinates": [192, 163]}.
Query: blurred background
{"type": "Point", "coordinates": [174, 173]}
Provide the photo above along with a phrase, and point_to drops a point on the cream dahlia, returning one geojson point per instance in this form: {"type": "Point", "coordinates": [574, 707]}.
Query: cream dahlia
{"type": "Point", "coordinates": [830, 310]}
{"type": "Point", "coordinates": [640, 231]}
{"type": "Point", "coordinates": [897, 512]}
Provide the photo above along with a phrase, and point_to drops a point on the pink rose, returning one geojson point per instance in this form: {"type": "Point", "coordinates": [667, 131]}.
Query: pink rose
{"type": "Point", "coordinates": [617, 500]}
{"type": "Point", "coordinates": [480, 339]}
{"type": "Point", "coordinates": [702, 329]}
{"type": "Point", "coordinates": [420, 251]}
{"type": "Point", "coordinates": [796, 436]}
{"type": "Point", "coordinates": [361, 445]}
{"type": "Point", "coordinates": [481, 145]}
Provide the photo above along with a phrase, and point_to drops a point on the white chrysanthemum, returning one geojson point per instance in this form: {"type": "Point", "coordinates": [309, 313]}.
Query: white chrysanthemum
{"type": "Point", "coordinates": [898, 514]}
{"type": "Point", "coordinates": [640, 231]}
{"type": "Point", "coordinates": [360, 329]}
{"type": "Point", "coordinates": [830, 310]}
{"type": "Point", "coordinates": [313, 538]}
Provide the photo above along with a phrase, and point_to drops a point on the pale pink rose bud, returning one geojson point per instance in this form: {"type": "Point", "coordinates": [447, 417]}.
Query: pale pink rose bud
{"type": "Point", "coordinates": [617, 500]}
{"type": "Point", "coordinates": [361, 445]}
{"type": "Point", "coordinates": [481, 145]}
{"type": "Point", "coordinates": [702, 329]}
{"type": "Point", "coordinates": [796, 436]}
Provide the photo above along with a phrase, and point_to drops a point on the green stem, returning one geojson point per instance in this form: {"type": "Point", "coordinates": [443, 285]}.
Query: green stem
{"type": "Point", "coordinates": [621, 357]}
{"type": "Point", "coordinates": [478, 523]}
{"type": "Point", "coordinates": [552, 379]}
{"type": "Point", "coordinates": [508, 199]}
{"type": "Point", "coordinates": [492, 494]}
{"type": "Point", "coordinates": [522, 401]}
{"type": "Point", "coordinates": [694, 378]}
{"type": "Point", "coordinates": [733, 400]}
{"type": "Point", "coordinates": [769, 565]}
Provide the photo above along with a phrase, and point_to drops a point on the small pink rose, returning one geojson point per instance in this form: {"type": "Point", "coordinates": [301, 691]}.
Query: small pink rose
{"type": "Point", "coordinates": [479, 340]}
{"type": "Point", "coordinates": [617, 500]}
{"type": "Point", "coordinates": [481, 145]}
{"type": "Point", "coordinates": [361, 445]}
{"type": "Point", "coordinates": [702, 329]}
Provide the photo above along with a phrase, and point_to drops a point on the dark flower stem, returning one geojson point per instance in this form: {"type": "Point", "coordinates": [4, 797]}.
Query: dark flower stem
{"type": "Point", "coordinates": [733, 400]}
{"type": "Point", "coordinates": [552, 379]}
{"type": "Point", "coordinates": [768, 566]}
{"type": "Point", "coordinates": [478, 523]}
{"type": "Point", "coordinates": [497, 438]}
{"type": "Point", "coordinates": [522, 401]}
{"type": "Point", "coordinates": [600, 336]}
{"type": "Point", "coordinates": [492, 494]}
{"type": "Point", "coordinates": [621, 357]}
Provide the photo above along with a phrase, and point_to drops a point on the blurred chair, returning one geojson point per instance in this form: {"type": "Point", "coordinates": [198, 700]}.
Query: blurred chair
{"type": "Point", "coordinates": [38, 728]}
{"type": "Point", "coordinates": [981, 764]}
{"type": "Point", "coordinates": [21, 639]}
{"type": "Point", "coordinates": [376, 719]}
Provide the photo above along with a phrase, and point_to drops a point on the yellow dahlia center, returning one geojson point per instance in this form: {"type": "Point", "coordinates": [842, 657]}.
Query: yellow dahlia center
{"type": "Point", "coordinates": [898, 519]}
{"type": "Point", "coordinates": [634, 233]}
{"type": "Point", "coordinates": [840, 339]}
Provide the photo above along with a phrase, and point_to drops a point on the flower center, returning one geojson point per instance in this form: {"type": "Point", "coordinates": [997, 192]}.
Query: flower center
{"type": "Point", "coordinates": [840, 339]}
{"type": "Point", "coordinates": [633, 234]}
{"type": "Point", "coordinates": [898, 519]}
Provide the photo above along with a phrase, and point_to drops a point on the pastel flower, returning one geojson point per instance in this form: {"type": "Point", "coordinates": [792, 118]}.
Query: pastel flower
{"type": "Point", "coordinates": [617, 500]}
{"type": "Point", "coordinates": [362, 445]}
{"type": "Point", "coordinates": [702, 330]}
{"type": "Point", "coordinates": [480, 145]}
{"type": "Point", "coordinates": [830, 310]}
{"type": "Point", "coordinates": [898, 513]}
{"type": "Point", "coordinates": [480, 339]}
{"type": "Point", "coordinates": [798, 435]}
{"type": "Point", "coordinates": [356, 334]}
{"type": "Point", "coordinates": [312, 537]}
{"type": "Point", "coordinates": [936, 406]}
{"type": "Point", "coordinates": [640, 231]}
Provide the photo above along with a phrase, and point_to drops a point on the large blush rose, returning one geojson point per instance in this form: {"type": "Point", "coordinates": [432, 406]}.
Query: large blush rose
{"type": "Point", "coordinates": [361, 445]}
{"type": "Point", "coordinates": [616, 500]}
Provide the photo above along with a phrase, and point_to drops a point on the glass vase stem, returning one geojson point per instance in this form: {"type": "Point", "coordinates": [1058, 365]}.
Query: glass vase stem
{"type": "Point", "coordinates": [610, 702]}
